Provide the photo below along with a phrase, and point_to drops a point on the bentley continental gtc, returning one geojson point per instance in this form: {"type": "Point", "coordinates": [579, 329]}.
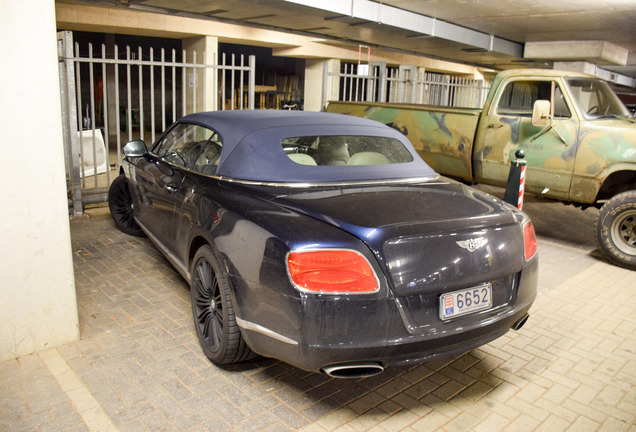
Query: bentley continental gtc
{"type": "Point", "coordinates": [325, 241]}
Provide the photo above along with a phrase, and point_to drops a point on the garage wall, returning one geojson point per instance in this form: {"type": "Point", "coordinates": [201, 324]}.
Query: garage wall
{"type": "Point", "coordinates": [38, 306]}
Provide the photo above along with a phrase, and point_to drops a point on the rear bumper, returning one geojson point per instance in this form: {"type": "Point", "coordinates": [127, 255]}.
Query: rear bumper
{"type": "Point", "coordinates": [411, 350]}
{"type": "Point", "coordinates": [351, 331]}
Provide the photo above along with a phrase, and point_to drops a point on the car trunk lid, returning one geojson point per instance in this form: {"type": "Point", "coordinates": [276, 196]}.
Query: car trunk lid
{"type": "Point", "coordinates": [429, 237]}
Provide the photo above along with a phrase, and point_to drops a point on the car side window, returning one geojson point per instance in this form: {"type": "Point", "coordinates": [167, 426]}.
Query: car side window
{"type": "Point", "coordinates": [518, 98]}
{"type": "Point", "coordinates": [208, 159]}
{"type": "Point", "coordinates": [183, 144]}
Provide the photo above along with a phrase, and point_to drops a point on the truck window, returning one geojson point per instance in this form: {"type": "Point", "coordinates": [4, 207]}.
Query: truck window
{"type": "Point", "coordinates": [519, 96]}
{"type": "Point", "coordinates": [596, 99]}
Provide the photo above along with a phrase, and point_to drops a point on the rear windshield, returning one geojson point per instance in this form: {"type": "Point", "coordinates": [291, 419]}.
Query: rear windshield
{"type": "Point", "coordinates": [345, 150]}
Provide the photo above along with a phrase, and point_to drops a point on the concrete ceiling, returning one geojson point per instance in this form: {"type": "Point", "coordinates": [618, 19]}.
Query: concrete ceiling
{"type": "Point", "coordinates": [488, 33]}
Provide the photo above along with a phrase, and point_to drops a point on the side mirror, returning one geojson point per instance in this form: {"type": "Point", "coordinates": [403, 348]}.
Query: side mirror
{"type": "Point", "coordinates": [541, 113]}
{"type": "Point", "coordinates": [136, 148]}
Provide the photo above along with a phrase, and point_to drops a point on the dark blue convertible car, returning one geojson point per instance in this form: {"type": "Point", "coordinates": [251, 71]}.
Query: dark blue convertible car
{"type": "Point", "coordinates": [325, 241]}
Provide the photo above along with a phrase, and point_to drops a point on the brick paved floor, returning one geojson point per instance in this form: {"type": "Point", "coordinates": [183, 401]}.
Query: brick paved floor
{"type": "Point", "coordinates": [138, 365]}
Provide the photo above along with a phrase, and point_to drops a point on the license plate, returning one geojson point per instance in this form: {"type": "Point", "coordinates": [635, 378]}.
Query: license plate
{"type": "Point", "coordinates": [458, 303]}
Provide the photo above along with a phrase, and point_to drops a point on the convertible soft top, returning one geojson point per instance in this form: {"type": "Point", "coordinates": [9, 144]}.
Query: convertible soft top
{"type": "Point", "coordinates": [252, 150]}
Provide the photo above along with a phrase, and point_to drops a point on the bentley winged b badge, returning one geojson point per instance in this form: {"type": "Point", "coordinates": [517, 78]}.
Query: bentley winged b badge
{"type": "Point", "coordinates": [471, 245]}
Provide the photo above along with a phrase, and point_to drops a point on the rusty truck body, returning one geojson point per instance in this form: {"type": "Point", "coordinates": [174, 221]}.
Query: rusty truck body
{"type": "Point", "coordinates": [579, 140]}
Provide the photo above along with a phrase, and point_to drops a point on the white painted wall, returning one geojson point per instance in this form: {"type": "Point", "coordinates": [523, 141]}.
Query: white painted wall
{"type": "Point", "coordinates": [38, 307]}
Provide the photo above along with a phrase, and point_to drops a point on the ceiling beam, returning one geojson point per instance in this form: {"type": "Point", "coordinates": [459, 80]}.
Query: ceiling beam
{"type": "Point", "coordinates": [599, 52]}
{"type": "Point", "coordinates": [391, 16]}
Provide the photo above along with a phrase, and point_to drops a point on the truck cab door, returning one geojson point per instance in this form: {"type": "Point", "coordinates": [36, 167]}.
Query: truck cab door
{"type": "Point", "coordinates": [507, 127]}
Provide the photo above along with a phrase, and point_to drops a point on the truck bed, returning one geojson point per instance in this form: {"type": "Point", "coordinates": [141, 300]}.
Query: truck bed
{"type": "Point", "coordinates": [443, 137]}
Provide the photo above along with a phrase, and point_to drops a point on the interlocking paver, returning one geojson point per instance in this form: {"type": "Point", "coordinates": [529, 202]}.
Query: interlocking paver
{"type": "Point", "coordinates": [572, 367]}
{"type": "Point", "coordinates": [431, 421]}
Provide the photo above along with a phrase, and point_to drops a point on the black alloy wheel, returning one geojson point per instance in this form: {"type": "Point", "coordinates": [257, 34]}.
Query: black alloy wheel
{"type": "Point", "coordinates": [219, 334]}
{"type": "Point", "coordinates": [121, 206]}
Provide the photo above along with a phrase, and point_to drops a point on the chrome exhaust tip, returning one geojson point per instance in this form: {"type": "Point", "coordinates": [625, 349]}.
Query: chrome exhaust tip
{"type": "Point", "coordinates": [361, 370]}
{"type": "Point", "coordinates": [521, 322]}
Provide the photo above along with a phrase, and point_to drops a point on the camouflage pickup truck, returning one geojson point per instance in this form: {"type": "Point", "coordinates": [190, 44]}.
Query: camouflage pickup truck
{"type": "Point", "coordinates": [579, 140]}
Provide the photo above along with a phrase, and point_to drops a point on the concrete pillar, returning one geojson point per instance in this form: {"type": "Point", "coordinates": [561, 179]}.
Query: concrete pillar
{"type": "Point", "coordinates": [195, 77]}
{"type": "Point", "coordinates": [314, 83]}
{"type": "Point", "coordinates": [420, 96]}
{"type": "Point", "coordinates": [38, 306]}
{"type": "Point", "coordinates": [406, 87]}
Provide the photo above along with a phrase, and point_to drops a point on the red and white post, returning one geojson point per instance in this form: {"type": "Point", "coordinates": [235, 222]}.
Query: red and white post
{"type": "Point", "coordinates": [516, 184]}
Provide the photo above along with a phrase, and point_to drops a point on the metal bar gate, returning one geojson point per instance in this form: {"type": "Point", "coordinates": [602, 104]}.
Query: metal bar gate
{"type": "Point", "coordinates": [107, 101]}
{"type": "Point", "coordinates": [403, 84]}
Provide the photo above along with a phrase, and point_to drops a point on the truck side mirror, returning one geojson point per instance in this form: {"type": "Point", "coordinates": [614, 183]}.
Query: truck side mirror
{"type": "Point", "coordinates": [541, 113]}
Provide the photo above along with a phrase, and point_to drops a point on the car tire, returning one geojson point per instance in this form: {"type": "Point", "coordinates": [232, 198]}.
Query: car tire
{"type": "Point", "coordinates": [213, 312]}
{"type": "Point", "coordinates": [121, 206]}
{"type": "Point", "coordinates": [616, 229]}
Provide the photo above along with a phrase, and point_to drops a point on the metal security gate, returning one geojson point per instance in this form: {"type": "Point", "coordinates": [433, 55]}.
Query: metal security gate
{"type": "Point", "coordinates": [377, 82]}
{"type": "Point", "coordinates": [452, 91]}
{"type": "Point", "coordinates": [108, 100]}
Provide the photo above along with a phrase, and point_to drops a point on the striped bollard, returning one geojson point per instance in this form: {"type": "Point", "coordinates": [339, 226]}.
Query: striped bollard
{"type": "Point", "coordinates": [516, 180]}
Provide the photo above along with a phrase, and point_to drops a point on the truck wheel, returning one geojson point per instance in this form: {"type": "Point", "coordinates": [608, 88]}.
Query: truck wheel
{"type": "Point", "coordinates": [616, 229]}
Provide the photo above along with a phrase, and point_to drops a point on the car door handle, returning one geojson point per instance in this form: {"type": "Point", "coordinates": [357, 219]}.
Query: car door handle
{"type": "Point", "coordinates": [171, 188]}
{"type": "Point", "coordinates": [492, 126]}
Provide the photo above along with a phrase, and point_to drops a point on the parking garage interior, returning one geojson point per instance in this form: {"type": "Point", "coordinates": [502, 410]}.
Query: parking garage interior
{"type": "Point", "coordinates": [96, 330]}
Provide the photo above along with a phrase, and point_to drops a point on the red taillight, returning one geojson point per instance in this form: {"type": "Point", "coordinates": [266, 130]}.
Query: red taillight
{"type": "Point", "coordinates": [529, 240]}
{"type": "Point", "coordinates": [331, 272]}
